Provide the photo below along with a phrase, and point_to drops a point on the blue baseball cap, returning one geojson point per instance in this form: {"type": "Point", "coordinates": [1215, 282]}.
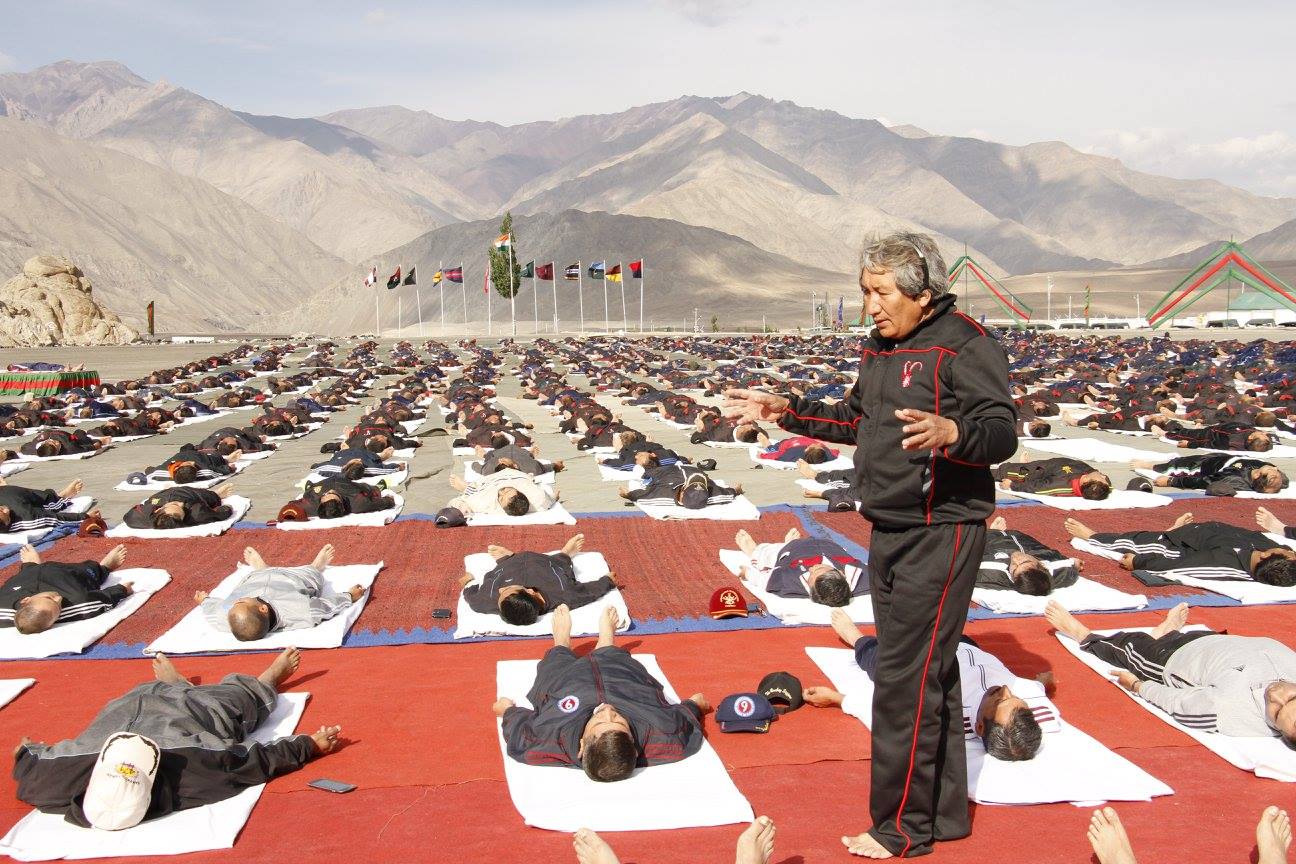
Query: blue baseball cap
{"type": "Point", "coordinates": [745, 712]}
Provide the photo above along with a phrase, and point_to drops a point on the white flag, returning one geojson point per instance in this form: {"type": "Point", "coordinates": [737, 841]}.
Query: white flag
{"type": "Point", "coordinates": [372, 278]}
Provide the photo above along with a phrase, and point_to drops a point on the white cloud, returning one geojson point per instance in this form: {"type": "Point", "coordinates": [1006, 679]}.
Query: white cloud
{"type": "Point", "coordinates": [376, 16]}
{"type": "Point", "coordinates": [7, 63]}
{"type": "Point", "coordinates": [1263, 163]}
{"type": "Point", "coordinates": [240, 43]}
{"type": "Point", "coordinates": [708, 13]}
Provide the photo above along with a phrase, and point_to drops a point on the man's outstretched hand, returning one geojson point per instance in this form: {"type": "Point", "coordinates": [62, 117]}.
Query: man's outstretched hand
{"type": "Point", "coordinates": [753, 406]}
{"type": "Point", "coordinates": [326, 739]}
{"type": "Point", "coordinates": [822, 697]}
{"type": "Point", "coordinates": [926, 431]}
{"type": "Point", "coordinates": [501, 705]}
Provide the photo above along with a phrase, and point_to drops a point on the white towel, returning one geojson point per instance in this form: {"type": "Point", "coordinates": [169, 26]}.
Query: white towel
{"type": "Point", "coordinates": [307, 429]}
{"type": "Point", "coordinates": [240, 504]}
{"type": "Point", "coordinates": [376, 519]}
{"type": "Point", "coordinates": [840, 463]}
{"type": "Point", "coordinates": [66, 457]}
{"type": "Point", "coordinates": [46, 837]}
{"type": "Point", "coordinates": [201, 418]}
{"type": "Point", "coordinates": [693, 793]}
{"type": "Point", "coordinates": [1265, 757]}
{"type": "Point", "coordinates": [1287, 494]}
{"type": "Point", "coordinates": [608, 474]}
{"type": "Point", "coordinates": [1091, 450]}
{"type": "Point", "coordinates": [1119, 499]}
{"type": "Point", "coordinates": [74, 636]}
{"type": "Point", "coordinates": [555, 515]}
{"type": "Point", "coordinates": [10, 468]}
{"type": "Point", "coordinates": [738, 510]}
{"type": "Point", "coordinates": [721, 445]}
{"type": "Point", "coordinates": [12, 688]}
{"type": "Point", "coordinates": [1246, 592]}
{"type": "Point", "coordinates": [79, 504]}
{"type": "Point", "coordinates": [193, 632]}
{"type": "Point", "coordinates": [1084, 595]}
{"type": "Point", "coordinates": [1278, 451]}
{"type": "Point", "coordinates": [791, 610]}
{"type": "Point", "coordinates": [392, 480]}
{"type": "Point", "coordinates": [472, 473]}
{"type": "Point", "coordinates": [1070, 765]}
{"type": "Point", "coordinates": [153, 485]}
{"type": "Point", "coordinates": [589, 566]}
{"type": "Point", "coordinates": [412, 426]}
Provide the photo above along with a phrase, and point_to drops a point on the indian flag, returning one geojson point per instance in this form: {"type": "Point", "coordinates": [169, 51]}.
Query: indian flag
{"type": "Point", "coordinates": [503, 241]}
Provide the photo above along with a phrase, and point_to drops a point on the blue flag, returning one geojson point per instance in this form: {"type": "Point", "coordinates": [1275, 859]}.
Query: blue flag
{"type": "Point", "coordinates": [596, 269]}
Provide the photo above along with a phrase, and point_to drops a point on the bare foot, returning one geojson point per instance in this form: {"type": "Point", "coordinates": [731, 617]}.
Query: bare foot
{"type": "Point", "coordinates": [844, 627]}
{"type": "Point", "coordinates": [1064, 621]}
{"type": "Point", "coordinates": [756, 842]}
{"type": "Point", "coordinates": [165, 671]}
{"type": "Point", "coordinates": [28, 554]}
{"type": "Point", "coordinates": [1175, 619]}
{"type": "Point", "coordinates": [72, 490]}
{"type": "Point", "coordinates": [1108, 838]}
{"type": "Point", "coordinates": [324, 557]}
{"type": "Point", "coordinates": [283, 666]}
{"type": "Point", "coordinates": [592, 849]}
{"type": "Point", "coordinates": [574, 545]}
{"type": "Point", "coordinates": [1076, 528]}
{"type": "Point", "coordinates": [793, 534]}
{"type": "Point", "coordinates": [1268, 521]}
{"type": "Point", "coordinates": [806, 470]}
{"type": "Point", "coordinates": [609, 621]}
{"type": "Point", "coordinates": [1273, 836]}
{"type": "Point", "coordinates": [865, 846]}
{"type": "Point", "coordinates": [498, 552]}
{"type": "Point", "coordinates": [562, 626]}
{"type": "Point", "coordinates": [115, 557]}
{"type": "Point", "coordinates": [1185, 519]}
{"type": "Point", "coordinates": [254, 559]}
{"type": "Point", "coordinates": [745, 542]}
{"type": "Point", "coordinates": [999, 523]}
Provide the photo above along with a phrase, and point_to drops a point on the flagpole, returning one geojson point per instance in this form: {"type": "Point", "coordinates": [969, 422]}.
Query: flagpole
{"type": "Point", "coordinates": [641, 294]}
{"type": "Point", "coordinates": [624, 323]}
{"type": "Point", "coordinates": [418, 303]}
{"type": "Point", "coordinates": [512, 288]}
{"type": "Point", "coordinates": [553, 271]}
{"type": "Point", "coordinates": [442, 285]}
{"type": "Point", "coordinates": [488, 297]}
{"type": "Point", "coordinates": [377, 322]}
{"type": "Point", "coordinates": [463, 295]}
{"type": "Point", "coordinates": [607, 316]}
{"type": "Point", "coordinates": [580, 292]}
{"type": "Point", "coordinates": [535, 300]}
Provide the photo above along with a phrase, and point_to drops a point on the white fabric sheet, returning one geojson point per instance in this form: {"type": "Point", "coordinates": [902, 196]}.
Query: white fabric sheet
{"type": "Point", "coordinates": [1265, 757]}
{"type": "Point", "coordinates": [1091, 450]}
{"type": "Point", "coordinates": [841, 463]}
{"type": "Point", "coordinates": [1084, 595]}
{"type": "Point", "coordinates": [10, 468]}
{"type": "Point", "coordinates": [1070, 766]}
{"type": "Point", "coordinates": [80, 504]}
{"type": "Point", "coordinates": [351, 520]}
{"type": "Point", "coordinates": [240, 504]}
{"type": "Point", "coordinates": [1245, 592]}
{"type": "Point", "coordinates": [792, 610]}
{"type": "Point", "coordinates": [472, 473]}
{"type": "Point", "coordinates": [555, 515]}
{"type": "Point", "coordinates": [156, 485]}
{"type": "Point", "coordinates": [66, 457]}
{"type": "Point", "coordinates": [1119, 499]}
{"type": "Point", "coordinates": [589, 566]}
{"type": "Point", "coordinates": [12, 688]}
{"type": "Point", "coordinates": [74, 636]}
{"type": "Point", "coordinates": [192, 633]}
{"type": "Point", "coordinates": [693, 793]}
{"type": "Point", "coordinates": [46, 837]}
{"type": "Point", "coordinates": [738, 510]}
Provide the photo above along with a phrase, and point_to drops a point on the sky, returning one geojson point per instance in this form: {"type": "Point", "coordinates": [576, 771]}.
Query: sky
{"type": "Point", "coordinates": [1187, 88]}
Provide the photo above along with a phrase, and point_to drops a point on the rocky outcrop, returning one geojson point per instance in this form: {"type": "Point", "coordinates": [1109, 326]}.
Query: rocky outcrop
{"type": "Point", "coordinates": [50, 304]}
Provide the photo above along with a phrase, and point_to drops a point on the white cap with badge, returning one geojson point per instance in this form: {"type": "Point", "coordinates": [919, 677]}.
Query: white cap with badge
{"type": "Point", "coordinates": [121, 784]}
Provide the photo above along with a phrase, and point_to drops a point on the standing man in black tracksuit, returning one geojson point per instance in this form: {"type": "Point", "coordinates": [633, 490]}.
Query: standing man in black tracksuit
{"type": "Point", "coordinates": [929, 413]}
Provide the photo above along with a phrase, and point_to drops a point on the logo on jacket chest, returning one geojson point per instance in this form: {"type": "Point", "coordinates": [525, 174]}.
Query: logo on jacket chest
{"type": "Point", "coordinates": [908, 370]}
{"type": "Point", "coordinates": [569, 704]}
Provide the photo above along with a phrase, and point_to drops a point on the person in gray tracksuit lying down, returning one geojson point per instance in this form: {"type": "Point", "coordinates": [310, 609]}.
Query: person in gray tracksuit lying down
{"type": "Point", "coordinates": [269, 599]}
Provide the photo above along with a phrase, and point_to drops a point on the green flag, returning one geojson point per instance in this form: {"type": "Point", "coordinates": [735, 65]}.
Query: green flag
{"type": "Point", "coordinates": [528, 270]}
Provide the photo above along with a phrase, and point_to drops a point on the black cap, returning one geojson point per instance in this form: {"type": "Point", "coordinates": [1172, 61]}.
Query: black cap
{"type": "Point", "coordinates": [449, 517]}
{"type": "Point", "coordinates": [783, 690]}
{"type": "Point", "coordinates": [694, 497]}
{"type": "Point", "coordinates": [1139, 484]}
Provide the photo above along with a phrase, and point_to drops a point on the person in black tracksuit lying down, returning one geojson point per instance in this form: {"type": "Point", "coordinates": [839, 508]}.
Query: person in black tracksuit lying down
{"type": "Point", "coordinates": [42, 594]}
{"type": "Point", "coordinates": [525, 585]}
{"type": "Point", "coordinates": [1016, 561]}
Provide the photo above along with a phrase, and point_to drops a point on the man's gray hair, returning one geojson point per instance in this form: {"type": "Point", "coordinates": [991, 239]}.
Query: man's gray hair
{"type": "Point", "coordinates": [904, 254]}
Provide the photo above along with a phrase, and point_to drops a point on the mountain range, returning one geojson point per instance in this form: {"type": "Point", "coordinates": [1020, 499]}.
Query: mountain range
{"type": "Point", "coordinates": [727, 197]}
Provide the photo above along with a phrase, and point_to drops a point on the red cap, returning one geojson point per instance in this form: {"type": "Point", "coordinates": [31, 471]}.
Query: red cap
{"type": "Point", "coordinates": [92, 526]}
{"type": "Point", "coordinates": [728, 603]}
{"type": "Point", "coordinates": [293, 511]}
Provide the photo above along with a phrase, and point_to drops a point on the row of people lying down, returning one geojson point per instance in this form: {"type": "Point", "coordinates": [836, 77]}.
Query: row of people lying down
{"type": "Point", "coordinates": [1213, 473]}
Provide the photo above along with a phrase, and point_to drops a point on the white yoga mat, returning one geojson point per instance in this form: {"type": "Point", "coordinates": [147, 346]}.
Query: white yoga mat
{"type": "Point", "coordinates": [1091, 450]}
{"type": "Point", "coordinates": [376, 519]}
{"type": "Point", "coordinates": [12, 688]}
{"type": "Point", "coordinates": [693, 793]}
{"type": "Point", "coordinates": [1070, 765]}
{"type": "Point", "coordinates": [738, 510]}
{"type": "Point", "coordinates": [47, 837]}
{"type": "Point", "coordinates": [80, 504]}
{"type": "Point", "coordinates": [240, 505]}
{"type": "Point", "coordinates": [1278, 451]}
{"type": "Point", "coordinates": [155, 484]}
{"type": "Point", "coordinates": [1248, 593]}
{"type": "Point", "coordinates": [792, 610]}
{"type": "Point", "coordinates": [1265, 757]}
{"type": "Point", "coordinates": [1119, 499]}
{"type": "Point", "coordinates": [725, 445]}
{"type": "Point", "coordinates": [555, 515]}
{"type": "Point", "coordinates": [12, 467]}
{"type": "Point", "coordinates": [1287, 494]}
{"type": "Point", "coordinates": [193, 633]}
{"type": "Point", "coordinates": [840, 463]}
{"type": "Point", "coordinates": [202, 418]}
{"type": "Point", "coordinates": [66, 457]}
{"type": "Point", "coordinates": [307, 429]}
{"type": "Point", "coordinates": [614, 475]}
{"type": "Point", "coordinates": [472, 473]}
{"type": "Point", "coordinates": [74, 636]}
{"type": "Point", "coordinates": [1084, 595]}
{"type": "Point", "coordinates": [589, 566]}
{"type": "Point", "coordinates": [396, 478]}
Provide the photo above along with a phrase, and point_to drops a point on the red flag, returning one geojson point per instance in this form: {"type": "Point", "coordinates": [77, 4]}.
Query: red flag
{"type": "Point", "coordinates": [545, 272]}
{"type": "Point", "coordinates": [636, 269]}
{"type": "Point", "coordinates": [454, 274]}
{"type": "Point", "coordinates": [394, 279]}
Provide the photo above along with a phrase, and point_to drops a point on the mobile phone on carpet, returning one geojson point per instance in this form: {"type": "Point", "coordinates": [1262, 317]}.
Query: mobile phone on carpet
{"type": "Point", "coordinates": [332, 785]}
{"type": "Point", "coordinates": [440, 613]}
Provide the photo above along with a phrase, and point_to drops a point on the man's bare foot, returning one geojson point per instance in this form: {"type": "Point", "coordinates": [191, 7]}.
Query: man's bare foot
{"type": "Point", "coordinates": [756, 842]}
{"type": "Point", "coordinates": [592, 849]}
{"type": "Point", "coordinates": [745, 542]}
{"type": "Point", "coordinates": [1064, 621]}
{"type": "Point", "coordinates": [562, 626]}
{"type": "Point", "coordinates": [793, 534]}
{"type": "Point", "coordinates": [498, 552]}
{"type": "Point", "coordinates": [254, 559]}
{"type": "Point", "coordinates": [865, 846]}
{"type": "Point", "coordinates": [609, 621]}
{"type": "Point", "coordinates": [559, 465]}
{"type": "Point", "coordinates": [115, 557]}
{"type": "Point", "coordinates": [72, 490]}
{"type": "Point", "coordinates": [1268, 521]}
{"type": "Point", "coordinates": [28, 554]}
{"type": "Point", "coordinates": [806, 470]}
{"type": "Point", "coordinates": [999, 523]}
{"type": "Point", "coordinates": [1108, 838]}
{"type": "Point", "coordinates": [844, 627]}
{"type": "Point", "coordinates": [1273, 836]}
{"type": "Point", "coordinates": [165, 671]}
{"type": "Point", "coordinates": [1175, 619]}
{"type": "Point", "coordinates": [1076, 528]}
{"type": "Point", "coordinates": [283, 666]}
{"type": "Point", "coordinates": [1185, 519]}
{"type": "Point", "coordinates": [574, 545]}
{"type": "Point", "coordinates": [324, 557]}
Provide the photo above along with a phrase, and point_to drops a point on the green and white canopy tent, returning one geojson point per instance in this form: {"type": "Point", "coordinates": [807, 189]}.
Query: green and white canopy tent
{"type": "Point", "coordinates": [1229, 263]}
